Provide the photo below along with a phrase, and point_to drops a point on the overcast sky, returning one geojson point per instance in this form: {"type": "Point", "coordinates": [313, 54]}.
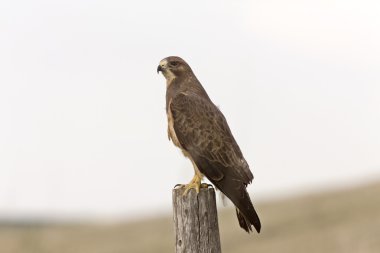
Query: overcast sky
{"type": "Point", "coordinates": [82, 109]}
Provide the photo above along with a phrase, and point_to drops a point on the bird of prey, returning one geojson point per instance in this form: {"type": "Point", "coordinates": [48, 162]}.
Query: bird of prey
{"type": "Point", "coordinates": [200, 130]}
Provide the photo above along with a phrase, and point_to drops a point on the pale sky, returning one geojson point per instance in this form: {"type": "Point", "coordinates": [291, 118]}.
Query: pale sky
{"type": "Point", "coordinates": [82, 109]}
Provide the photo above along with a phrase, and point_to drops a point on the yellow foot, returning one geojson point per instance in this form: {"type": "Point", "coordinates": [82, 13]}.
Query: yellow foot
{"type": "Point", "coordinates": [194, 184]}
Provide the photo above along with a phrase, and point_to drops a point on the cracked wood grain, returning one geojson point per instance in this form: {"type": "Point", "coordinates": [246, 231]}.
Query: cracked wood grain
{"type": "Point", "coordinates": [196, 221]}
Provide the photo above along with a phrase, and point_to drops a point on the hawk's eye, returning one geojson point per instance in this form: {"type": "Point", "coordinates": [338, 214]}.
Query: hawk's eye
{"type": "Point", "coordinates": [174, 63]}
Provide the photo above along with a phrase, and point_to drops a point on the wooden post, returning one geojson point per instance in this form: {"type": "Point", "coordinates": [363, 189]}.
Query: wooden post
{"type": "Point", "coordinates": [196, 221]}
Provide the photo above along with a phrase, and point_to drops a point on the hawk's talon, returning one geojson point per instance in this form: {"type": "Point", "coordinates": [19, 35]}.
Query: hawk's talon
{"type": "Point", "coordinates": [195, 183]}
{"type": "Point", "coordinates": [206, 185]}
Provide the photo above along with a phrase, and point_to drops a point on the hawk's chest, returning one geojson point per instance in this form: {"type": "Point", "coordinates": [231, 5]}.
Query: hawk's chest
{"type": "Point", "coordinates": [171, 132]}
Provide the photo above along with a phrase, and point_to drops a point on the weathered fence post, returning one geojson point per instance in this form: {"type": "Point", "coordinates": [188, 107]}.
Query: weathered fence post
{"type": "Point", "coordinates": [196, 221]}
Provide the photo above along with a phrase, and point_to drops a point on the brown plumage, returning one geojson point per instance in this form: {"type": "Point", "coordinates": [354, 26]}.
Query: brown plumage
{"type": "Point", "coordinates": [201, 131]}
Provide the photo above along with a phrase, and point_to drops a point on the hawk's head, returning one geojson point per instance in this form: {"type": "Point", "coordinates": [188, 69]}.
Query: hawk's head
{"type": "Point", "coordinates": [173, 67]}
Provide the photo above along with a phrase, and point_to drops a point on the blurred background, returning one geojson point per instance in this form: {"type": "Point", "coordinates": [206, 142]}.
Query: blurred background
{"type": "Point", "coordinates": [85, 162]}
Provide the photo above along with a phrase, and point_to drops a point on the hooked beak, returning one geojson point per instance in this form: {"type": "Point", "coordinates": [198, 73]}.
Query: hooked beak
{"type": "Point", "coordinates": [159, 68]}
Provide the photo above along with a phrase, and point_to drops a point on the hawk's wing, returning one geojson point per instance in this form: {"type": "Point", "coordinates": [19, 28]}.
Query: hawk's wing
{"type": "Point", "coordinates": [204, 133]}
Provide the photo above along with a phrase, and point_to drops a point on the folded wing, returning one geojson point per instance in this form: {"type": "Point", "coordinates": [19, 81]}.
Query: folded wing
{"type": "Point", "coordinates": [204, 133]}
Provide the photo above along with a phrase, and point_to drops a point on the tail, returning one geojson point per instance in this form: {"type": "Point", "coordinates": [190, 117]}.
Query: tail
{"type": "Point", "coordinates": [247, 224]}
{"type": "Point", "coordinates": [233, 185]}
{"type": "Point", "coordinates": [247, 215]}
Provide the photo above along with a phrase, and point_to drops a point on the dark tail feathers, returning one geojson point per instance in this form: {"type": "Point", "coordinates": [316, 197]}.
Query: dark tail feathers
{"type": "Point", "coordinates": [246, 223]}
{"type": "Point", "coordinates": [246, 213]}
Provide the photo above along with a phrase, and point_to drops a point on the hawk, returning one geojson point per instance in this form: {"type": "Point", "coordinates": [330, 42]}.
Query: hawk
{"type": "Point", "coordinates": [200, 130]}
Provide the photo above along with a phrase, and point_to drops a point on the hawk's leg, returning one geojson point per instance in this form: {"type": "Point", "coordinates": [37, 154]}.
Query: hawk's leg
{"type": "Point", "coordinates": [195, 183]}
